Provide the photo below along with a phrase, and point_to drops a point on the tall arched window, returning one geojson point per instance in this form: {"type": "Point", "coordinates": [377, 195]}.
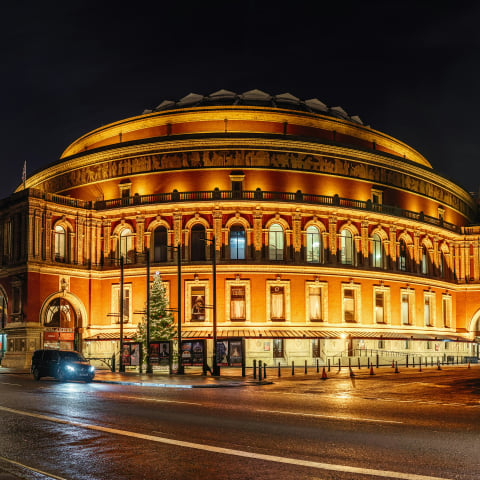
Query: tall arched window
{"type": "Point", "coordinates": [424, 260]}
{"type": "Point", "coordinates": [125, 245]}
{"type": "Point", "coordinates": [402, 256]}
{"type": "Point", "coordinates": [160, 244]}
{"type": "Point", "coordinates": [441, 264]}
{"type": "Point", "coordinates": [60, 242]}
{"type": "Point", "coordinates": [275, 242]}
{"type": "Point", "coordinates": [346, 247]}
{"type": "Point", "coordinates": [377, 251]}
{"type": "Point", "coordinates": [314, 244]}
{"type": "Point", "coordinates": [237, 242]}
{"type": "Point", "coordinates": [198, 242]}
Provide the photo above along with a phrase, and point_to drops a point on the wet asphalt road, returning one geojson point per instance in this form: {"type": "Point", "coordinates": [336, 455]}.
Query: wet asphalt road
{"type": "Point", "coordinates": [412, 425]}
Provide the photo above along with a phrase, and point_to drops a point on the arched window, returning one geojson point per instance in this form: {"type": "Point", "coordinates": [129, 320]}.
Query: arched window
{"type": "Point", "coordinates": [314, 244]}
{"type": "Point", "coordinates": [237, 242]}
{"type": "Point", "coordinates": [377, 251]}
{"type": "Point", "coordinates": [125, 245]}
{"type": "Point", "coordinates": [402, 256]}
{"type": "Point", "coordinates": [346, 247]}
{"type": "Point", "coordinates": [424, 260]}
{"type": "Point", "coordinates": [275, 242]}
{"type": "Point", "coordinates": [441, 264]}
{"type": "Point", "coordinates": [198, 242]}
{"type": "Point", "coordinates": [60, 243]}
{"type": "Point", "coordinates": [160, 244]}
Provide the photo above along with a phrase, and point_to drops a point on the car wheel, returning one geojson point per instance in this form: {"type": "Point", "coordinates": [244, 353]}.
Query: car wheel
{"type": "Point", "coordinates": [89, 379]}
{"type": "Point", "coordinates": [61, 377]}
{"type": "Point", "coordinates": [36, 374]}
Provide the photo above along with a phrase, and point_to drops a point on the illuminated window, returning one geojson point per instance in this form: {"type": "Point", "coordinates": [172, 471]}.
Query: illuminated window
{"type": "Point", "coordinates": [197, 247]}
{"type": "Point", "coordinates": [381, 344]}
{"type": "Point", "coordinates": [60, 242]}
{"type": "Point", "coordinates": [278, 348]}
{"type": "Point", "coordinates": [197, 293]}
{"type": "Point", "coordinates": [125, 245]}
{"type": "Point", "coordinates": [316, 348]}
{"type": "Point", "coordinates": [237, 242]}
{"type": "Point", "coordinates": [275, 242]}
{"type": "Point", "coordinates": [237, 303]}
{"type": "Point", "coordinates": [349, 311]}
{"type": "Point", "coordinates": [377, 251]}
{"type": "Point", "coordinates": [314, 244]}
{"type": "Point", "coordinates": [428, 309]}
{"type": "Point", "coordinates": [160, 244]}
{"type": "Point", "coordinates": [127, 304]}
{"type": "Point", "coordinates": [315, 304]}
{"type": "Point", "coordinates": [346, 247]}
{"type": "Point", "coordinates": [447, 310]}
{"type": "Point", "coordinates": [424, 260]}
{"type": "Point", "coordinates": [406, 308]}
{"type": "Point", "coordinates": [277, 304]}
{"type": "Point", "coordinates": [402, 257]}
{"type": "Point", "coordinates": [197, 299]}
{"type": "Point", "coordinates": [377, 196]}
{"type": "Point", "coordinates": [380, 307]}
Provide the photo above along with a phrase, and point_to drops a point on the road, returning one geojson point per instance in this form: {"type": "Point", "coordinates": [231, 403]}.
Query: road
{"type": "Point", "coordinates": [411, 426]}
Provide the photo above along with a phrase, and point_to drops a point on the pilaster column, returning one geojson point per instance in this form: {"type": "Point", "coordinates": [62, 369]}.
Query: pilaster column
{"type": "Point", "coordinates": [257, 233]}
{"type": "Point", "coordinates": [365, 243]}
{"type": "Point", "coordinates": [140, 220]}
{"type": "Point", "coordinates": [217, 231]}
{"type": "Point", "coordinates": [177, 235]}
{"type": "Point", "coordinates": [332, 233]}
{"type": "Point", "coordinates": [297, 236]}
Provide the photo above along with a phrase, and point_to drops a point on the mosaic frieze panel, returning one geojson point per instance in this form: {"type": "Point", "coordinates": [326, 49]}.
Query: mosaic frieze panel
{"type": "Point", "coordinates": [241, 158]}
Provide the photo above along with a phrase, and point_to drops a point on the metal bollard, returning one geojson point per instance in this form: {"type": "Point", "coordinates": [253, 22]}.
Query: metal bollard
{"type": "Point", "coordinates": [406, 361]}
{"type": "Point", "coordinates": [293, 367]}
{"type": "Point", "coordinates": [368, 362]}
{"type": "Point", "coordinates": [254, 369]}
{"type": "Point", "coordinates": [377, 360]}
{"type": "Point", "coordinates": [259, 370]}
{"type": "Point", "coordinates": [328, 364]}
{"type": "Point", "coordinates": [264, 370]}
{"type": "Point", "coordinates": [413, 362]}
{"type": "Point", "coordinates": [359, 363]}
{"type": "Point", "coordinates": [339, 365]}
{"type": "Point", "coordinates": [317, 366]}
{"type": "Point", "coordinates": [305, 367]}
{"type": "Point", "coordinates": [113, 362]}
{"type": "Point", "coordinates": [279, 370]}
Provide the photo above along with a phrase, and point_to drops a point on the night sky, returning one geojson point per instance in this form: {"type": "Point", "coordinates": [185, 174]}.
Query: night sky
{"type": "Point", "coordinates": [408, 69]}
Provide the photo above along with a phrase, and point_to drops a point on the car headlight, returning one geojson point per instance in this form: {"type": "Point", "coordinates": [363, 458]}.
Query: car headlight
{"type": "Point", "coordinates": [91, 368]}
{"type": "Point", "coordinates": [70, 368]}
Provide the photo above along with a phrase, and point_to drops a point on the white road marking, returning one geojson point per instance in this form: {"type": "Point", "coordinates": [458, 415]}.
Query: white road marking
{"type": "Point", "coordinates": [160, 400]}
{"type": "Point", "coordinates": [228, 451]}
{"type": "Point", "coordinates": [18, 464]}
{"type": "Point", "coordinates": [334, 417]}
{"type": "Point", "coordinates": [6, 383]}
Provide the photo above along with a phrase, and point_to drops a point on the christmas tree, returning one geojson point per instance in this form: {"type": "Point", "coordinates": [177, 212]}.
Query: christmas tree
{"type": "Point", "coordinates": [161, 320]}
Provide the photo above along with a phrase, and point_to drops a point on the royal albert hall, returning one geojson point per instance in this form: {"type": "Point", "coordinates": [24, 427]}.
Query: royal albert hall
{"type": "Point", "coordinates": [295, 232]}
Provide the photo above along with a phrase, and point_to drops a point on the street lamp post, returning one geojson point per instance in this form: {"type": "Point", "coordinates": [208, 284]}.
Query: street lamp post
{"type": "Point", "coordinates": [121, 366]}
{"type": "Point", "coordinates": [149, 366]}
{"type": "Point", "coordinates": [215, 367]}
{"type": "Point", "coordinates": [180, 369]}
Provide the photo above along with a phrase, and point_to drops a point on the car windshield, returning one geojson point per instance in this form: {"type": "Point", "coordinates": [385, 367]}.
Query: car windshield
{"type": "Point", "coordinates": [73, 357]}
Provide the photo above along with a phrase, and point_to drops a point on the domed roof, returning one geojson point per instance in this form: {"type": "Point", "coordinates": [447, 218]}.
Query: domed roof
{"type": "Point", "coordinates": [256, 98]}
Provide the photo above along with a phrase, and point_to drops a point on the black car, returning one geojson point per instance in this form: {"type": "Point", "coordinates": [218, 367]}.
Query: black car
{"type": "Point", "coordinates": [62, 364]}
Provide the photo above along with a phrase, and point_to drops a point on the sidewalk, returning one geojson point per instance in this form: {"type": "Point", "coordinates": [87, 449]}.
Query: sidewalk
{"type": "Point", "coordinates": [228, 378]}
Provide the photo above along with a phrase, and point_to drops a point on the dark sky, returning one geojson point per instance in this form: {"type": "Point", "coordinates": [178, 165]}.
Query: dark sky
{"type": "Point", "coordinates": [409, 69]}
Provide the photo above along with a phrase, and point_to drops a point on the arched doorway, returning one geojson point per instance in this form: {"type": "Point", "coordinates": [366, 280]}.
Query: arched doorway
{"type": "Point", "coordinates": [60, 322]}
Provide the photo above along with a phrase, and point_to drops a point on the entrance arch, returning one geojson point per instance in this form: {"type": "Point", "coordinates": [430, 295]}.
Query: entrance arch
{"type": "Point", "coordinates": [62, 316]}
